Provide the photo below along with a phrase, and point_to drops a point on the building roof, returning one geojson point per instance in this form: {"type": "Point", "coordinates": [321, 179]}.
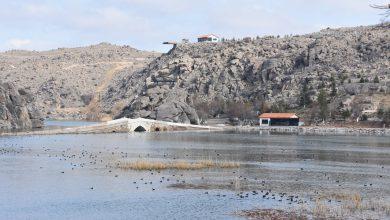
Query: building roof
{"type": "Point", "coordinates": [278, 115]}
{"type": "Point", "coordinates": [208, 35]}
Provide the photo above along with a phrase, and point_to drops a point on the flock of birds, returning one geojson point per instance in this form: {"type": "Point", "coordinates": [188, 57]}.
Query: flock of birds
{"type": "Point", "coordinates": [107, 160]}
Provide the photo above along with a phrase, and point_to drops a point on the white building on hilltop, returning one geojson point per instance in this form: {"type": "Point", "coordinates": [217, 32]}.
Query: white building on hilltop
{"type": "Point", "coordinates": [209, 38]}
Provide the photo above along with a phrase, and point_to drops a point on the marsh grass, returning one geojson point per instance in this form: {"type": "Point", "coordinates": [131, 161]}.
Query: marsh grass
{"type": "Point", "coordinates": [177, 165]}
{"type": "Point", "coordinates": [351, 204]}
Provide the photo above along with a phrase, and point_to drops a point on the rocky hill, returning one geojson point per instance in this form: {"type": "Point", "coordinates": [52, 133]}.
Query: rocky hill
{"type": "Point", "coordinates": [17, 109]}
{"type": "Point", "coordinates": [352, 66]}
{"type": "Point", "coordinates": [67, 82]}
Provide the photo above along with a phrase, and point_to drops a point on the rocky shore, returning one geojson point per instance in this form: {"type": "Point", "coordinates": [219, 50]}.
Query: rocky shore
{"type": "Point", "coordinates": [127, 125]}
{"type": "Point", "coordinates": [329, 130]}
{"type": "Point", "coordinates": [314, 130]}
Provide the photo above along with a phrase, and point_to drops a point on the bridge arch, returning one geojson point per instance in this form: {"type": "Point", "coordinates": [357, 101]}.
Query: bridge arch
{"type": "Point", "coordinates": [149, 125]}
{"type": "Point", "coordinates": [140, 128]}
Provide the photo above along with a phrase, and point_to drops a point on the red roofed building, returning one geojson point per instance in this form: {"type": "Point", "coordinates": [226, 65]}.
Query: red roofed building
{"type": "Point", "coordinates": [279, 119]}
{"type": "Point", "coordinates": [209, 38]}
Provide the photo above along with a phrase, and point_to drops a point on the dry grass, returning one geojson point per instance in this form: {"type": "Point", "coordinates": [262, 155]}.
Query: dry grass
{"type": "Point", "coordinates": [343, 205]}
{"type": "Point", "coordinates": [351, 204]}
{"type": "Point", "coordinates": [353, 207]}
{"type": "Point", "coordinates": [271, 214]}
{"type": "Point", "coordinates": [178, 165]}
{"type": "Point", "coordinates": [378, 206]}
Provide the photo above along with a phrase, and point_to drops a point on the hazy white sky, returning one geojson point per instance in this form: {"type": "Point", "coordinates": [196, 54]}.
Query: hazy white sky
{"type": "Point", "coordinates": [145, 24]}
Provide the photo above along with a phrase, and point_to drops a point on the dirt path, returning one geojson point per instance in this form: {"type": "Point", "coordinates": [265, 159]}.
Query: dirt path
{"type": "Point", "coordinates": [99, 63]}
{"type": "Point", "coordinates": [94, 106]}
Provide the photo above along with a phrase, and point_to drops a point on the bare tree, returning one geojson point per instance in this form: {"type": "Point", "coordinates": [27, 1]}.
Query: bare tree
{"type": "Point", "coordinates": [385, 8]}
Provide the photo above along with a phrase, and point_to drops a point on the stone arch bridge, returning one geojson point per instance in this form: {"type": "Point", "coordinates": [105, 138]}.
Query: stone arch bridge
{"type": "Point", "coordinates": [122, 125]}
{"type": "Point", "coordinates": [148, 125]}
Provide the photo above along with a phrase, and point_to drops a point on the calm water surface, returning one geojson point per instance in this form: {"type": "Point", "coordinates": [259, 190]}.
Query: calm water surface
{"type": "Point", "coordinates": [50, 124]}
{"type": "Point", "coordinates": [74, 176]}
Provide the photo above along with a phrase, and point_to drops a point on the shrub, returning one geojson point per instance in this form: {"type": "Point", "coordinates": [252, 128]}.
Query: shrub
{"type": "Point", "coordinates": [376, 79]}
{"type": "Point", "coordinates": [241, 110]}
{"type": "Point", "coordinates": [384, 115]}
{"type": "Point", "coordinates": [346, 114]}
{"type": "Point", "coordinates": [86, 99]}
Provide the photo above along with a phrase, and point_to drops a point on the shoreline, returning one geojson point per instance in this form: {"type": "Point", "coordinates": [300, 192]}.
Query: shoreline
{"type": "Point", "coordinates": [124, 126]}
{"type": "Point", "coordinates": [346, 131]}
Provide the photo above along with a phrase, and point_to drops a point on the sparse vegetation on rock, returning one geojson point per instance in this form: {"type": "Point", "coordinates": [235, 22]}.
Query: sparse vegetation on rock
{"type": "Point", "coordinates": [287, 73]}
{"type": "Point", "coordinates": [227, 79]}
{"type": "Point", "coordinates": [68, 82]}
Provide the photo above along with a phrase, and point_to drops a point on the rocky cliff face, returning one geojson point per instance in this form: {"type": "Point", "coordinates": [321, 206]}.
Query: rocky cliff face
{"type": "Point", "coordinates": [269, 68]}
{"type": "Point", "coordinates": [68, 82]}
{"type": "Point", "coordinates": [17, 109]}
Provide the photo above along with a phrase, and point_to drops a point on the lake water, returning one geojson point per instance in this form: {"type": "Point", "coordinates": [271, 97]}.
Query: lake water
{"type": "Point", "coordinates": [50, 124]}
{"type": "Point", "coordinates": [74, 176]}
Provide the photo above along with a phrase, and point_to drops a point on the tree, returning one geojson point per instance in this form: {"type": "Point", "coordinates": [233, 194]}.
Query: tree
{"type": "Point", "coordinates": [240, 110]}
{"type": "Point", "coordinates": [260, 106]}
{"type": "Point", "coordinates": [279, 106]}
{"type": "Point", "coordinates": [202, 109]}
{"type": "Point", "coordinates": [334, 89]}
{"type": "Point", "coordinates": [304, 97]}
{"type": "Point", "coordinates": [217, 106]}
{"type": "Point", "coordinates": [376, 79]}
{"type": "Point", "coordinates": [323, 104]}
{"type": "Point", "coordinates": [385, 8]}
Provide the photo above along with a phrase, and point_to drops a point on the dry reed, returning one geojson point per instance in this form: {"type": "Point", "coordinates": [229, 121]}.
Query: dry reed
{"type": "Point", "coordinates": [351, 204]}
{"type": "Point", "coordinates": [178, 165]}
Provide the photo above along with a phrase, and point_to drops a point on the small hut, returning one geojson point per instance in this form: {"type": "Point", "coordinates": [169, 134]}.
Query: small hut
{"type": "Point", "coordinates": [279, 119]}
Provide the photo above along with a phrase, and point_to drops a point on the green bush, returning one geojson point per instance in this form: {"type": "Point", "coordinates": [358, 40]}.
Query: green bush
{"type": "Point", "coordinates": [376, 79]}
{"type": "Point", "coordinates": [346, 114]}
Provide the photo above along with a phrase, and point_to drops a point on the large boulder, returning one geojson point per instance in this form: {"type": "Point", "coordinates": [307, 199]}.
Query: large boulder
{"type": "Point", "coordinates": [17, 109]}
{"type": "Point", "coordinates": [176, 111]}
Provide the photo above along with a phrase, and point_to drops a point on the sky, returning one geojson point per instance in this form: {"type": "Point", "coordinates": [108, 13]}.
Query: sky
{"type": "Point", "coordinates": [145, 24]}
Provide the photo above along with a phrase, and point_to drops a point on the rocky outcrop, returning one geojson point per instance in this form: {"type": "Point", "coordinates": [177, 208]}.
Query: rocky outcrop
{"type": "Point", "coordinates": [66, 81]}
{"type": "Point", "coordinates": [17, 109]}
{"type": "Point", "coordinates": [269, 68]}
{"type": "Point", "coordinates": [106, 80]}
